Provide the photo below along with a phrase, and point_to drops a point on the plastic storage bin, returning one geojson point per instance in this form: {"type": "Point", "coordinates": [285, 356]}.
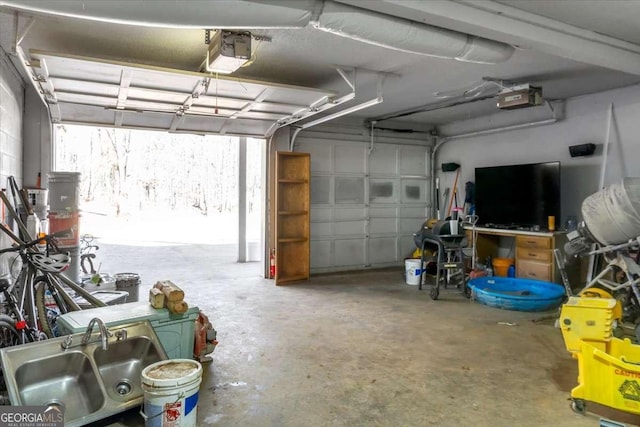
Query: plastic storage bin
{"type": "Point", "coordinates": [175, 331]}
{"type": "Point", "coordinates": [501, 266]}
{"type": "Point", "coordinates": [107, 297]}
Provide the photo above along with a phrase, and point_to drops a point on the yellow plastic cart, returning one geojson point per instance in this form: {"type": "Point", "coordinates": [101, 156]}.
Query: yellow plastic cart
{"type": "Point", "coordinates": [609, 367]}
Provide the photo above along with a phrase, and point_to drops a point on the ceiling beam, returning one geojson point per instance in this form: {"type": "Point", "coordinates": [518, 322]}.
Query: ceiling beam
{"type": "Point", "coordinates": [508, 24]}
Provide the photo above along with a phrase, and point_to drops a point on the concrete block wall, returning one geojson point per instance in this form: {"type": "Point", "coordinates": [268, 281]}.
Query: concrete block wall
{"type": "Point", "coordinates": [11, 126]}
{"type": "Point", "coordinates": [11, 121]}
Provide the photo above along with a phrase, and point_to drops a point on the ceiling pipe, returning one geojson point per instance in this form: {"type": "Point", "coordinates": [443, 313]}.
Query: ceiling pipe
{"type": "Point", "coordinates": [370, 103]}
{"type": "Point", "coordinates": [355, 23]}
{"type": "Point", "coordinates": [408, 36]}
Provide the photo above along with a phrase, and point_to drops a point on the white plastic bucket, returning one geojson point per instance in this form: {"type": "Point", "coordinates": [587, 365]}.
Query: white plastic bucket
{"type": "Point", "coordinates": [171, 393]}
{"type": "Point", "coordinates": [412, 271]}
{"type": "Point", "coordinates": [39, 199]}
{"type": "Point", "coordinates": [253, 251]}
{"type": "Point", "coordinates": [64, 191]}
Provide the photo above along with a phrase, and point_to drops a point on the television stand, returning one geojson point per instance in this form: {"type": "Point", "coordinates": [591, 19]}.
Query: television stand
{"type": "Point", "coordinates": [533, 250]}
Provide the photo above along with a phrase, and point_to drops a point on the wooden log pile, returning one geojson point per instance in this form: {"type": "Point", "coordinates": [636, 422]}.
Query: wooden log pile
{"type": "Point", "coordinates": [165, 294]}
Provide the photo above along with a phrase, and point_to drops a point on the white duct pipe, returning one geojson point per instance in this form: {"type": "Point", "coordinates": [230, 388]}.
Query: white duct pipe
{"type": "Point", "coordinates": [408, 36]}
{"type": "Point", "coordinates": [195, 14]}
{"type": "Point", "coordinates": [347, 21]}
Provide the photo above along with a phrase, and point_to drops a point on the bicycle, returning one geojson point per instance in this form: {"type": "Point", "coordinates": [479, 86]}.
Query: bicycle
{"type": "Point", "coordinates": [38, 296]}
{"type": "Point", "coordinates": [87, 254]}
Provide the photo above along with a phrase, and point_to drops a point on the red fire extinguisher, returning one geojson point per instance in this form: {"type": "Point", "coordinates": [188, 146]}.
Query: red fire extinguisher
{"type": "Point", "coordinates": [272, 264]}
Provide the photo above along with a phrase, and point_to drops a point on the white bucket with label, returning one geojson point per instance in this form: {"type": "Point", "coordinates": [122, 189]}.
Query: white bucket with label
{"type": "Point", "coordinates": [412, 271]}
{"type": "Point", "coordinates": [171, 393]}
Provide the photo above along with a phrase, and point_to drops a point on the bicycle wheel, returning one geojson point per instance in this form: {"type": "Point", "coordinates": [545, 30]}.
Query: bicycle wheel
{"type": "Point", "coordinates": [49, 304]}
{"type": "Point", "coordinates": [9, 336]}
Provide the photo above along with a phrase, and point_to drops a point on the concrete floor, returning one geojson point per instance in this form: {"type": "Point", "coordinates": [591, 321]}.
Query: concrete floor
{"type": "Point", "coordinates": [359, 349]}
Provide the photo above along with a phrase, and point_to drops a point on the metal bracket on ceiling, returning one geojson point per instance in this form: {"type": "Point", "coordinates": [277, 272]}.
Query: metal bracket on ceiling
{"type": "Point", "coordinates": [370, 103]}
{"type": "Point", "coordinates": [323, 104]}
{"type": "Point", "coordinates": [352, 84]}
{"type": "Point", "coordinates": [20, 35]}
{"type": "Point", "coordinates": [40, 76]}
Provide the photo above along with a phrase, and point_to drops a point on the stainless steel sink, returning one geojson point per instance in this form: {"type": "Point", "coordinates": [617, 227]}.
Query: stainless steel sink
{"type": "Point", "coordinates": [92, 383]}
{"type": "Point", "coordinates": [121, 365]}
{"type": "Point", "coordinates": [68, 376]}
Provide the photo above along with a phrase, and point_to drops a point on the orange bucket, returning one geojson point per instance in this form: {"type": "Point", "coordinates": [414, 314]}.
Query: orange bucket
{"type": "Point", "coordinates": [501, 266]}
{"type": "Point", "coordinates": [68, 222]}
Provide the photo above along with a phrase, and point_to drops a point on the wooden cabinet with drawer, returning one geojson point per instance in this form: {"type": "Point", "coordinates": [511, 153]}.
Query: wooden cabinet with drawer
{"type": "Point", "coordinates": [534, 257]}
{"type": "Point", "coordinates": [533, 250]}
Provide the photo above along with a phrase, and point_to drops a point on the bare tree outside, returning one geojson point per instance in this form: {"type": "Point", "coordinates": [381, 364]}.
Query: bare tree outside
{"type": "Point", "coordinates": [133, 180]}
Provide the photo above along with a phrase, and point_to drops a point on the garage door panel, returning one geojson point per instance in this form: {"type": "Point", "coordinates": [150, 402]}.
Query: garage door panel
{"type": "Point", "coordinates": [383, 191]}
{"type": "Point", "coordinates": [412, 212]}
{"type": "Point", "coordinates": [321, 254]}
{"type": "Point", "coordinates": [66, 85]}
{"type": "Point", "coordinates": [90, 100]}
{"type": "Point", "coordinates": [382, 250]}
{"type": "Point", "coordinates": [413, 191]}
{"type": "Point", "coordinates": [383, 225]}
{"type": "Point", "coordinates": [349, 252]}
{"type": "Point", "coordinates": [383, 212]}
{"type": "Point", "coordinates": [349, 228]}
{"type": "Point", "coordinates": [349, 190]}
{"type": "Point", "coordinates": [321, 155]}
{"type": "Point", "coordinates": [321, 190]}
{"type": "Point", "coordinates": [147, 120]}
{"type": "Point", "coordinates": [71, 68]}
{"type": "Point", "coordinates": [349, 159]}
{"type": "Point", "coordinates": [410, 225]}
{"type": "Point", "coordinates": [413, 161]}
{"type": "Point", "coordinates": [349, 214]}
{"type": "Point", "coordinates": [322, 229]}
{"type": "Point", "coordinates": [321, 214]}
{"type": "Point", "coordinates": [87, 114]}
{"type": "Point", "coordinates": [383, 161]}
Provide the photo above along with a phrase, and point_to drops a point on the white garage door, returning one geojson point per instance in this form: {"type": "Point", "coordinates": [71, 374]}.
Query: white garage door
{"type": "Point", "coordinates": [365, 207]}
{"type": "Point", "coordinates": [97, 92]}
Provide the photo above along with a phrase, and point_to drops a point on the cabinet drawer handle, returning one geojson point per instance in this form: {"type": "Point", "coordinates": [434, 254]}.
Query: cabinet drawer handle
{"type": "Point", "coordinates": [532, 274]}
{"type": "Point", "coordinates": [533, 255]}
{"type": "Point", "coordinates": [531, 242]}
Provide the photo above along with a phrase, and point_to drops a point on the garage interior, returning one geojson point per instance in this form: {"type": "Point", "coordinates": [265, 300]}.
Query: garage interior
{"type": "Point", "coordinates": [375, 116]}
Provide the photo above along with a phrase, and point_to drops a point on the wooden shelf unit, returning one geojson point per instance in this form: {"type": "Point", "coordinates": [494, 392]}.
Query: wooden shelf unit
{"type": "Point", "coordinates": [533, 250]}
{"type": "Point", "coordinates": [293, 171]}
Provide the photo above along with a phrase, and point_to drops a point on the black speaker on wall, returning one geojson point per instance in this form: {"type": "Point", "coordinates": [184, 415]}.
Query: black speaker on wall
{"type": "Point", "coordinates": [582, 150]}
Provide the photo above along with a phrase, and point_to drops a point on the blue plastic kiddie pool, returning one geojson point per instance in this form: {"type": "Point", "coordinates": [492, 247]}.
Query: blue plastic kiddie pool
{"type": "Point", "coordinates": [516, 294]}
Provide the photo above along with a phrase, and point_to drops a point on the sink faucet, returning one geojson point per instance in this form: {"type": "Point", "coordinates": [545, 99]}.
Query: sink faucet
{"type": "Point", "coordinates": [67, 342]}
{"type": "Point", "coordinates": [104, 333]}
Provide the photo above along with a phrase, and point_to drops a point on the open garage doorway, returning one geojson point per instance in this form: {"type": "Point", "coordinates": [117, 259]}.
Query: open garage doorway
{"type": "Point", "coordinates": [158, 201]}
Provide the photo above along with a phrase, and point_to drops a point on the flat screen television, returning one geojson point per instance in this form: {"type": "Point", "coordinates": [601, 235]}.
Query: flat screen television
{"type": "Point", "coordinates": [517, 196]}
